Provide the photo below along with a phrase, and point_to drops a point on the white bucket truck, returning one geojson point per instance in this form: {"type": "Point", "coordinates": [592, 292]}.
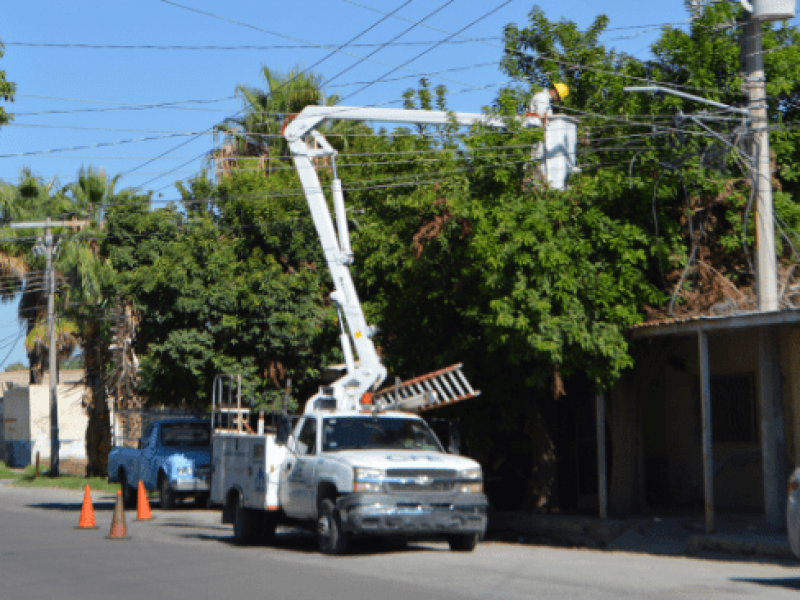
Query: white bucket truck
{"type": "Point", "coordinates": [345, 473]}
{"type": "Point", "coordinates": [358, 461]}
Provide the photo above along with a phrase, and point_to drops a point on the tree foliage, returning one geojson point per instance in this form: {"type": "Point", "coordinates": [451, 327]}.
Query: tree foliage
{"type": "Point", "coordinates": [7, 90]}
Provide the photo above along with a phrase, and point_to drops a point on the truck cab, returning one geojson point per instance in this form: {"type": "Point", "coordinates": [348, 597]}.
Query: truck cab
{"type": "Point", "coordinates": [383, 474]}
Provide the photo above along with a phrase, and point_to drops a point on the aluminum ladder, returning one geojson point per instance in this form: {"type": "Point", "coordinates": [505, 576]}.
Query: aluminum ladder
{"type": "Point", "coordinates": [440, 388]}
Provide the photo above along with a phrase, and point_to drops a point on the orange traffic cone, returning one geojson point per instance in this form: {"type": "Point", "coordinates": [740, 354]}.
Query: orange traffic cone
{"type": "Point", "coordinates": [87, 511]}
{"type": "Point", "coordinates": [118, 529]}
{"type": "Point", "coordinates": [143, 505]}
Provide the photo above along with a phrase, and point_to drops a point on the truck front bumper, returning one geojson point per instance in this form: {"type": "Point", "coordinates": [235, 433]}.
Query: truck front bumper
{"type": "Point", "coordinates": [411, 514]}
{"type": "Point", "coordinates": [191, 485]}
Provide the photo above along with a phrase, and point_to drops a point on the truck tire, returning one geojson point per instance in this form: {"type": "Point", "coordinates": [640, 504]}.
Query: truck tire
{"type": "Point", "coordinates": [331, 538]}
{"type": "Point", "coordinates": [165, 494]}
{"type": "Point", "coordinates": [463, 543]}
{"type": "Point", "coordinates": [242, 524]}
{"type": "Point", "coordinates": [266, 524]}
{"type": "Point", "coordinates": [128, 495]}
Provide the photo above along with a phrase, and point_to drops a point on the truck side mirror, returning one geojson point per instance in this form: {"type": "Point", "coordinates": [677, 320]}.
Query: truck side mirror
{"type": "Point", "coordinates": [139, 445]}
{"type": "Point", "coordinates": [284, 429]}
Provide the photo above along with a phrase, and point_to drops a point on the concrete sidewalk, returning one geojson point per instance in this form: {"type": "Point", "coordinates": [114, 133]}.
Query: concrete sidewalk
{"type": "Point", "coordinates": [736, 535]}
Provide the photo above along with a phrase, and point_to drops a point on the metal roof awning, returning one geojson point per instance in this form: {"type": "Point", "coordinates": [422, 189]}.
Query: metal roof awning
{"type": "Point", "coordinates": [684, 326]}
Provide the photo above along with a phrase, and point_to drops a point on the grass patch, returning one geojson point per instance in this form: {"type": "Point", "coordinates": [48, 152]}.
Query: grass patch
{"type": "Point", "coordinates": [27, 478]}
{"type": "Point", "coordinates": [7, 472]}
{"type": "Point", "coordinates": [68, 482]}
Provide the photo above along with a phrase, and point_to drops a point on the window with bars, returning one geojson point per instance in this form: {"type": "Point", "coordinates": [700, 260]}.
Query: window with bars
{"type": "Point", "coordinates": [733, 409]}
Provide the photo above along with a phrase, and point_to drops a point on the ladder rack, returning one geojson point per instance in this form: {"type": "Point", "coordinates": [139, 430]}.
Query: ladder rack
{"type": "Point", "coordinates": [440, 388]}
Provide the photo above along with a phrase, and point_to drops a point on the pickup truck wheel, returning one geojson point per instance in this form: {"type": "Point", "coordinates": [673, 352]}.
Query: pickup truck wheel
{"type": "Point", "coordinates": [166, 495]}
{"type": "Point", "coordinates": [331, 539]}
{"type": "Point", "coordinates": [463, 543]}
{"type": "Point", "coordinates": [128, 497]}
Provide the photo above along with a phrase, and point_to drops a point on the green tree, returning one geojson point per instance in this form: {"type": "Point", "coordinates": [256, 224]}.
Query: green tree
{"type": "Point", "coordinates": [231, 290]}
{"type": "Point", "coordinates": [7, 90]}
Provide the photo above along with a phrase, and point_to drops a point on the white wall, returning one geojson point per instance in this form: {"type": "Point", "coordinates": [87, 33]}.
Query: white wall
{"type": "Point", "coordinates": [27, 422]}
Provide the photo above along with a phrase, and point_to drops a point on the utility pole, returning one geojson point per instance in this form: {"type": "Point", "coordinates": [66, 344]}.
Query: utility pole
{"type": "Point", "coordinates": [51, 328]}
{"type": "Point", "coordinates": [773, 443]}
{"type": "Point", "coordinates": [755, 85]}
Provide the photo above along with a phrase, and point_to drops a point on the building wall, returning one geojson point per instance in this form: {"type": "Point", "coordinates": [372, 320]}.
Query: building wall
{"type": "Point", "coordinates": [671, 408]}
{"type": "Point", "coordinates": [27, 425]}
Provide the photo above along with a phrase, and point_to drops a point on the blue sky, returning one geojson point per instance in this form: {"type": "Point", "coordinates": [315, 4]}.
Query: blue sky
{"type": "Point", "coordinates": [72, 95]}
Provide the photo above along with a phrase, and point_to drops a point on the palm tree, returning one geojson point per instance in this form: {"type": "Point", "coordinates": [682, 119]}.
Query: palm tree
{"type": "Point", "coordinates": [87, 276]}
{"type": "Point", "coordinates": [257, 133]}
{"type": "Point", "coordinates": [21, 270]}
{"type": "Point", "coordinates": [80, 278]}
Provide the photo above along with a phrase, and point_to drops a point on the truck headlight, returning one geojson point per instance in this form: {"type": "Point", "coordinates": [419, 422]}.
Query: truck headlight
{"type": "Point", "coordinates": [367, 480]}
{"type": "Point", "coordinates": [471, 487]}
{"type": "Point", "coordinates": [187, 471]}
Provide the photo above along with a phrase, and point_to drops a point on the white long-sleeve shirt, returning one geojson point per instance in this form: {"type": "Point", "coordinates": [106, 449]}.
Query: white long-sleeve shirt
{"type": "Point", "coordinates": [541, 105]}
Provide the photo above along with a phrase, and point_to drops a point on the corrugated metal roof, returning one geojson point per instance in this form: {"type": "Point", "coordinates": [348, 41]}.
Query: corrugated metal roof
{"type": "Point", "coordinates": [692, 324]}
{"type": "Point", "coordinates": [686, 319]}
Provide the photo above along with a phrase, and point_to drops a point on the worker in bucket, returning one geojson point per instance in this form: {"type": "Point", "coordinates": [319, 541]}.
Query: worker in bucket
{"type": "Point", "coordinates": [541, 106]}
{"type": "Point", "coordinates": [541, 103]}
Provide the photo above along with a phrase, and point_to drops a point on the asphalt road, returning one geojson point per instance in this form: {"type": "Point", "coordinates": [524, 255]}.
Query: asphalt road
{"type": "Point", "coordinates": [189, 554]}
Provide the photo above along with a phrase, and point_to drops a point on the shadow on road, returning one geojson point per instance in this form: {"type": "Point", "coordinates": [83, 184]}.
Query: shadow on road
{"type": "Point", "coordinates": [307, 543]}
{"type": "Point", "coordinates": [195, 526]}
{"type": "Point", "coordinates": [791, 583]}
{"type": "Point", "coordinates": [73, 506]}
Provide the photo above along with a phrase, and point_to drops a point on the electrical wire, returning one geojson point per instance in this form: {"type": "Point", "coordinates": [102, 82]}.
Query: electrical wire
{"type": "Point", "coordinates": [316, 64]}
{"type": "Point", "coordinates": [215, 48]}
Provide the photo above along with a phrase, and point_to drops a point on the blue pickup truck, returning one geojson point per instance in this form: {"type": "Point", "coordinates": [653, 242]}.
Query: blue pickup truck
{"type": "Point", "coordinates": [173, 457]}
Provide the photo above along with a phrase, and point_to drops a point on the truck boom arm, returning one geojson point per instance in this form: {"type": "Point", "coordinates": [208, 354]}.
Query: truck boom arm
{"type": "Point", "coordinates": [369, 373]}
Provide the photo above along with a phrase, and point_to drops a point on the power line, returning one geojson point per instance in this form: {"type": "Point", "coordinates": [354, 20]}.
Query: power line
{"type": "Point", "coordinates": [214, 48]}
{"type": "Point", "coordinates": [319, 62]}
{"type": "Point", "coordinates": [424, 52]}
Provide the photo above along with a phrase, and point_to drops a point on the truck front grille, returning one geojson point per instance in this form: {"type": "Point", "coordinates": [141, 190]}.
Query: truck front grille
{"type": "Point", "coordinates": [414, 473]}
{"type": "Point", "coordinates": [420, 480]}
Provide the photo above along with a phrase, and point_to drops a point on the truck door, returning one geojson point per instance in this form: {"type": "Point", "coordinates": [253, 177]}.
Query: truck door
{"type": "Point", "coordinates": [298, 489]}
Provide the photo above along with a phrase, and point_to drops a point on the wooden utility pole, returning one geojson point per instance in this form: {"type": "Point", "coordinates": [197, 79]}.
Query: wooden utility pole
{"type": "Point", "coordinates": [51, 328]}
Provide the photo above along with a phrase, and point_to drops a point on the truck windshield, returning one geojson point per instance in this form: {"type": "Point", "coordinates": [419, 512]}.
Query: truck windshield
{"type": "Point", "coordinates": [384, 433]}
{"type": "Point", "coordinates": [185, 434]}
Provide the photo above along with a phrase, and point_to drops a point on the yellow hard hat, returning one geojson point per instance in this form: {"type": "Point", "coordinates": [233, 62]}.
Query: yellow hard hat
{"type": "Point", "coordinates": [562, 89]}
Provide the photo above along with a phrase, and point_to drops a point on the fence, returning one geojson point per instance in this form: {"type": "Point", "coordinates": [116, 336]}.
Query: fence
{"type": "Point", "coordinates": [130, 425]}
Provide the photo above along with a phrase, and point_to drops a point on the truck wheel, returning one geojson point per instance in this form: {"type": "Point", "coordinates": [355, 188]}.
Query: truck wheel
{"type": "Point", "coordinates": [463, 543]}
{"type": "Point", "coordinates": [165, 493]}
{"type": "Point", "coordinates": [331, 539]}
{"type": "Point", "coordinates": [242, 524]}
{"type": "Point", "coordinates": [266, 523]}
{"type": "Point", "coordinates": [128, 497]}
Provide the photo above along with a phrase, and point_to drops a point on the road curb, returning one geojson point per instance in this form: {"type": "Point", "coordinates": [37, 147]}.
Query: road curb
{"type": "Point", "coordinates": [737, 545]}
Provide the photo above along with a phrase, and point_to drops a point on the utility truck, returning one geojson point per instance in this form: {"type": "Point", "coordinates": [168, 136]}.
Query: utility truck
{"type": "Point", "coordinates": [359, 461]}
